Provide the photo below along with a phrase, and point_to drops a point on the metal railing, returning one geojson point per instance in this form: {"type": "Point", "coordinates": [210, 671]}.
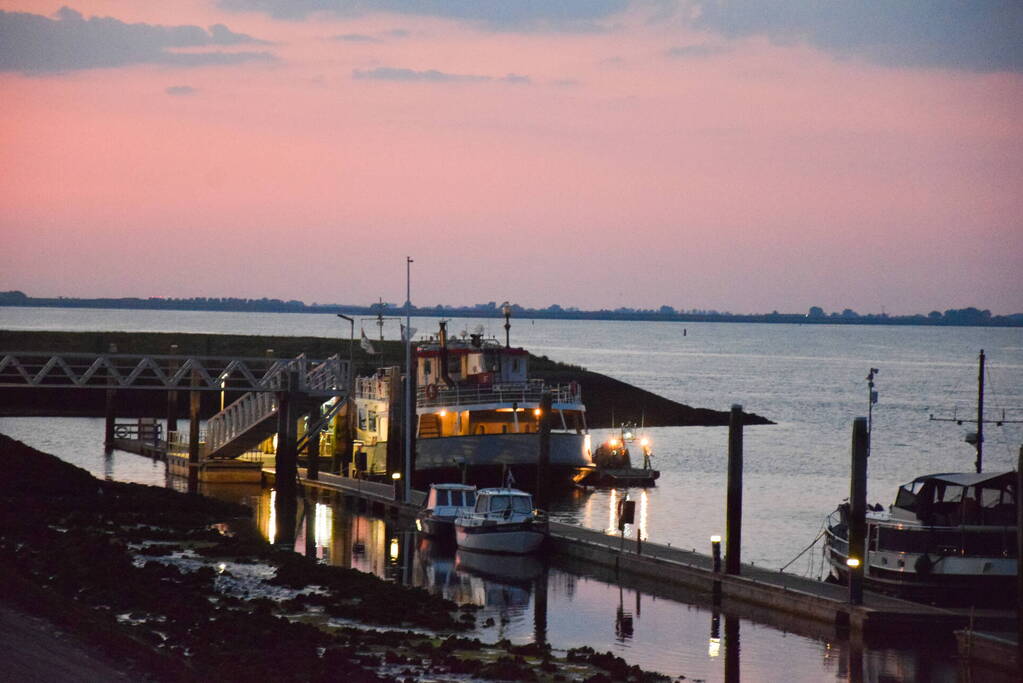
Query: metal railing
{"type": "Point", "coordinates": [529, 392]}
{"type": "Point", "coordinates": [255, 407]}
{"type": "Point", "coordinates": [237, 418]}
{"type": "Point", "coordinates": [166, 372]}
{"type": "Point", "coordinates": [375, 388]}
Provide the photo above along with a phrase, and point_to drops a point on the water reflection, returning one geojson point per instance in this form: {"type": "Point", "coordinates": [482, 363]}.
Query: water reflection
{"type": "Point", "coordinates": [524, 599]}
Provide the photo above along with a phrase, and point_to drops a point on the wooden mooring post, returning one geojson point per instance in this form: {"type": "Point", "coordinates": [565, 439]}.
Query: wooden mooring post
{"type": "Point", "coordinates": [286, 461]}
{"type": "Point", "coordinates": [543, 461]}
{"type": "Point", "coordinates": [857, 511]}
{"type": "Point", "coordinates": [733, 513]}
{"type": "Point", "coordinates": [111, 407]}
{"type": "Point", "coordinates": [1019, 563]}
{"type": "Point", "coordinates": [172, 396]}
{"type": "Point", "coordinates": [313, 468]}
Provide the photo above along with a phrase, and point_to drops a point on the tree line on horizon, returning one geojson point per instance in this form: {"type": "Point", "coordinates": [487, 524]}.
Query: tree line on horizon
{"type": "Point", "coordinates": [970, 316]}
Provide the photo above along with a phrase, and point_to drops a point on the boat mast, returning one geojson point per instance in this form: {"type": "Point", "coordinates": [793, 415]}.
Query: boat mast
{"type": "Point", "coordinates": [977, 438]}
{"type": "Point", "coordinates": [980, 413]}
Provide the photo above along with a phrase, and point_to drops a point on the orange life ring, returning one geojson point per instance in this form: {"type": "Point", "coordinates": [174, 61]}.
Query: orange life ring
{"type": "Point", "coordinates": [431, 391]}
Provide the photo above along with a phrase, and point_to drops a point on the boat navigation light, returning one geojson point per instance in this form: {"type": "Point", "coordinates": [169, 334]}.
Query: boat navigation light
{"type": "Point", "coordinates": [443, 413]}
{"type": "Point", "coordinates": [537, 412]}
{"type": "Point", "coordinates": [644, 442]}
{"type": "Point", "coordinates": [852, 562]}
{"type": "Point", "coordinates": [395, 475]}
{"type": "Point", "coordinates": [613, 443]}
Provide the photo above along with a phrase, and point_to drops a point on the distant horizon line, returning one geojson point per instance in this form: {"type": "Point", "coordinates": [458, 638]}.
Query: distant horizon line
{"type": "Point", "coordinates": [970, 316]}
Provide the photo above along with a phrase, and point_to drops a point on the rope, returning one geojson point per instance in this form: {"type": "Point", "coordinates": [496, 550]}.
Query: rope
{"type": "Point", "coordinates": [801, 552]}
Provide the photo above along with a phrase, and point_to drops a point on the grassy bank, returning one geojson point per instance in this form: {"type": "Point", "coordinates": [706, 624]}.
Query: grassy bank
{"type": "Point", "coordinates": [177, 587]}
{"type": "Point", "coordinates": [605, 397]}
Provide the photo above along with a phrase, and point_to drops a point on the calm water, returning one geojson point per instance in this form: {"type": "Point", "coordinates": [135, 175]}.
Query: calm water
{"type": "Point", "coordinates": [809, 379]}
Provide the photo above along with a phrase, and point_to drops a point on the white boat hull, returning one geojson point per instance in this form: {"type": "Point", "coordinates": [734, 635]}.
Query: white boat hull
{"type": "Point", "coordinates": [514, 538]}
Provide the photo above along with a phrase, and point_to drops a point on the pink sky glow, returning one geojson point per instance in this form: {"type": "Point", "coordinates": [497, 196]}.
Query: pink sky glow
{"type": "Point", "coordinates": [590, 168]}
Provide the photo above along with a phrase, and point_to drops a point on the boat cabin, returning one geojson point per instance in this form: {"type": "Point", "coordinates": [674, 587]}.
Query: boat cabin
{"type": "Point", "coordinates": [503, 502]}
{"type": "Point", "coordinates": [960, 498]}
{"type": "Point", "coordinates": [451, 496]}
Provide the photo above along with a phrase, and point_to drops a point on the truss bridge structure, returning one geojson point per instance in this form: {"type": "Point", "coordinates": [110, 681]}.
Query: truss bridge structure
{"type": "Point", "coordinates": [315, 378]}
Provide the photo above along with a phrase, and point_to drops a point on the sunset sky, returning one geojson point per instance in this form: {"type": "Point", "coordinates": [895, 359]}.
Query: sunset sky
{"type": "Point", "coordinates": [744, 156]}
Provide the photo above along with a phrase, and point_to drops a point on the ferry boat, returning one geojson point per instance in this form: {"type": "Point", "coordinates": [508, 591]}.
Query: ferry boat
{"type": "Point", "coordinates": [444, 503]}
{"type": "Point", "coordinates": [948, 536]}
{"type": "Point", "coordinates": [477, 415]}
{"type": "Point", "coordinates": [503, 521]}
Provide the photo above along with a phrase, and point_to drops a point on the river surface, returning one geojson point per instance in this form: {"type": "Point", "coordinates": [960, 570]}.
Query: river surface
{"type": "Point", "coordinates": [809, 379]}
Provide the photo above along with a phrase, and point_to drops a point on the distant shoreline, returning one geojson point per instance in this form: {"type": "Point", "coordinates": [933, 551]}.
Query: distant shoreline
{"type": "Point", "coordinates": [965, 317]}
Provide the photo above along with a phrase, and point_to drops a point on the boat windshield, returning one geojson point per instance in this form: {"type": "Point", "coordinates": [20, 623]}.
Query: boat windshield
{"type": "Point", "coordinates": [514, 503]}
{"type": "Point", "coordinates": [455, 497]}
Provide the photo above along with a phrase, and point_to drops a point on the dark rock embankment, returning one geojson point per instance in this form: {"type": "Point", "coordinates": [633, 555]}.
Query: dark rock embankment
{"type": "Point", "coordinates": [605, 397]}
{"type": "Point", "coordinates": [150, 582]}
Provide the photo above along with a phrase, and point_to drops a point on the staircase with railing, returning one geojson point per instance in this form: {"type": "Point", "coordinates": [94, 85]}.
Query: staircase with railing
{"type": "Point", "coordinates": [251, 419]}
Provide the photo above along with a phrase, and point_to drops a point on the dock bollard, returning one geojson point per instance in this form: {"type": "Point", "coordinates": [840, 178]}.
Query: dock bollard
{"type": "Point", "coordinates": [715, 553]}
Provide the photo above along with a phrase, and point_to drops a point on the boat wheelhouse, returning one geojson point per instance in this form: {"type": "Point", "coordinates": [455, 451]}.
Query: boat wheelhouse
{"type": "Point", "coordinates": [950, 536]}
{"type": "Point", "coordinates": [478, 415]}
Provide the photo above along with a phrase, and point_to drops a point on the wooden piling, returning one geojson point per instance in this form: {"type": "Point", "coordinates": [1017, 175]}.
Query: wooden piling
{"type": "Point", "coordinates": [732, 649]}
{"type": "Point", "coordinates": [194, 404]}
{"type": "Point", "coordinates": [172, 396]}
{"type": "Point", "coordinates": [733, 518]}
{"type": "Point", "coordinates": [858, 511]}
{"type": "Point", "coordinates": [286, 461]}
{"type": "Point", "coordinates": [111, 406]}
{"type": "Point", "coordinates": [543, 461]}
{"type": "Point", "coordinates": [1019, 560]}
{"type": "Point", "coordinates": [313, 468]}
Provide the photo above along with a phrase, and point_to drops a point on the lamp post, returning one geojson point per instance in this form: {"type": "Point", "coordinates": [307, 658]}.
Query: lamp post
{"type": "Point", "coordinates": [408, 381]}
{"type": "Point", "coordinates": [507, 311]}
{"type": "Point", "coordinates": [871, 400]}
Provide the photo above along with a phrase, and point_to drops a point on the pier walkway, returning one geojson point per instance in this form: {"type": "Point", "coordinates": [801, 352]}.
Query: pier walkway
{"type": "Point", "coordinates": [798, 596]}
{"type": "Point", "coordinates": [789, 593]}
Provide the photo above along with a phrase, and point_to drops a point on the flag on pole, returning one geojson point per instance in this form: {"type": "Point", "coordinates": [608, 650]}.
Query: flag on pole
{"type": "Point", "coordinates": [366, 344]}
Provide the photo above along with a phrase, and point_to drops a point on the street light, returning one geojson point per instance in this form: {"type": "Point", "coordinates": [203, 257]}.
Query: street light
{"type": "Point", "coordinates": [507, 311]}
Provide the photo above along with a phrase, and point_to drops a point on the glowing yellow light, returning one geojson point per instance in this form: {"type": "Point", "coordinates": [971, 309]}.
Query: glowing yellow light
{"type": "Point", "coordinates": [714, 647]}
{"type": "Point", "coordinates": [853, 562]}
{"type": "Point", "coordinates": [613, 443]}
{"type": "Point", "coordinates": [537, 412]}
{"type": "Point", "coordinates": [393, 550]}
{"type": "Point", "coordinates": [443, 413]}
{"type": "Point", "coordinates": [715, 539]}
{"type": "Point", "coordinates": [644, 442]}
{"type": "Point", "coordinates": [395, 475]}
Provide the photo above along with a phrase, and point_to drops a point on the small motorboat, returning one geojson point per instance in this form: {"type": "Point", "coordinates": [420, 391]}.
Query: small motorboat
{"type": "Point", "coordinates": [612, 464]}
{"type": "Point", "coordinates": [503, 521]}
{"type": "Point", "coordinates": [443, 504]}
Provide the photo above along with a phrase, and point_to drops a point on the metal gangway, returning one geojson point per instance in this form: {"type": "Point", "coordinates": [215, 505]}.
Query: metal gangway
{"type": "Point", "coordinates": [228, 431]}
